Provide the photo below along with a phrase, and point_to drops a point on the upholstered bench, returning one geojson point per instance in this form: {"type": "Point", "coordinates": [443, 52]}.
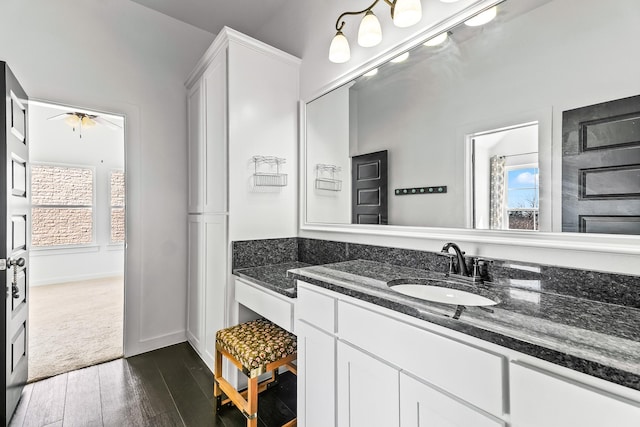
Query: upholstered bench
{"type": "Point", "coordinates": [255, 348]}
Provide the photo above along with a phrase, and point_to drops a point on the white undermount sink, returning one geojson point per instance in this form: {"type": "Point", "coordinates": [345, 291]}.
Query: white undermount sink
{"type": "Point", "coordinates": [442, 294]}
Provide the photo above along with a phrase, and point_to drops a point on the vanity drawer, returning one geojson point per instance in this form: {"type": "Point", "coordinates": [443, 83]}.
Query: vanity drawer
{"type": "Point", "coordinates": [469, 373]}
{"type": "Point", "coordinates": [271, 305]}
{"type": "Point", "coordinates": [315, 308]}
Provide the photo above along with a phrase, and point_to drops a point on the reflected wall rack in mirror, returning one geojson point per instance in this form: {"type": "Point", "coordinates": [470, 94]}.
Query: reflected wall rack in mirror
{"type": "Point", "coordinates": [326, 177]}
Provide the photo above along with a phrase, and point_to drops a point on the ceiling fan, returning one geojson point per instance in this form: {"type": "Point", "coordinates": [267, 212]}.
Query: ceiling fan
{"type": "Point", "coordinates": [79, 120]}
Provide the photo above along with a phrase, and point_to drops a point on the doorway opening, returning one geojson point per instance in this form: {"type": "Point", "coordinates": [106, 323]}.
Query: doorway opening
{"type": "Point", "coordinates": [77, 236]}
{"type": "Point", "coordinates": [506, 189]}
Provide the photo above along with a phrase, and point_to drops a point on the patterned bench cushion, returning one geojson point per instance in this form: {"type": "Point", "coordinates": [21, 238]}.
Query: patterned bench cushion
{"type": "Point", "coordinates": [256, 344]}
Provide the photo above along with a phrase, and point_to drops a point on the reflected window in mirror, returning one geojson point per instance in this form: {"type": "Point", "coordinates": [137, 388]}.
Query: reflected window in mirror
{"type": "Point", "coordinates": [505, 178]}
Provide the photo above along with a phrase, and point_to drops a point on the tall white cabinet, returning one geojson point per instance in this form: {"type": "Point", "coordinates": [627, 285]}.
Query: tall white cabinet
{"type": "Point", "coordinates": [242, 100]}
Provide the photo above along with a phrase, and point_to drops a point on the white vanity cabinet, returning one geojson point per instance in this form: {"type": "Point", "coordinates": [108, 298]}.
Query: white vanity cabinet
{"type": "Point", "coordinates": [541, 398]}
{"type": "Point", "coordinates": [371, 366]}
{"type": "Point", "coordinates": [376, 363]}
{"type": "Point", "coordinates": [242, 101]}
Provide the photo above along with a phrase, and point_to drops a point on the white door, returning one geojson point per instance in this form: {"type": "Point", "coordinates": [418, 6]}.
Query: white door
{"type": "Point", "coordinates": [13, 253]}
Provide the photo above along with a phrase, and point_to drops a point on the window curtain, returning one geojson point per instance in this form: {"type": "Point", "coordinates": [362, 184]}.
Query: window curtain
{"type": "Point", "coordinates": [497, 195]}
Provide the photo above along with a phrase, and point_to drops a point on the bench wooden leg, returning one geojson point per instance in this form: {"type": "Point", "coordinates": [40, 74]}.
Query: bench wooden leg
{"type": "Point", "coordinates": [252, 402]}
{"type": "Point", "coordinates": [217, 374]}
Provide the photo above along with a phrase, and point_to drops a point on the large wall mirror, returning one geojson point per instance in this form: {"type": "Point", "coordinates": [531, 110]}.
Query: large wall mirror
{"type": "Point", "coordinates": [474, 127]}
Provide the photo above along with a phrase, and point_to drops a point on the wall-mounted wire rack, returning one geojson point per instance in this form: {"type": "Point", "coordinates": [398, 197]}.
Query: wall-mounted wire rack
{"type": "Point", "coordinates": [264, 174]}
{"type": "Point", "coordinates": [326, 177]}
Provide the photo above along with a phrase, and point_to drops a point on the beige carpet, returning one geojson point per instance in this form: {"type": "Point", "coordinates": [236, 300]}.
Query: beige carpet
{"type": "Point", "coordinates": [73, 325]}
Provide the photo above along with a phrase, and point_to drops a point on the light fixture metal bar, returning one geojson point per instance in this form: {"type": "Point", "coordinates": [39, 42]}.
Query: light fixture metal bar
{"type": "Point", "coordinates": [340, 25]}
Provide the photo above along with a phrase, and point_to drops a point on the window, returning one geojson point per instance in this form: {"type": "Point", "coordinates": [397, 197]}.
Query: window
{"type": "Point", "coordinates": [116, 181]}
{"type": "Point", "coordinates": [522, 197]}
{"type": "Point", "coordinates": [62, 205]}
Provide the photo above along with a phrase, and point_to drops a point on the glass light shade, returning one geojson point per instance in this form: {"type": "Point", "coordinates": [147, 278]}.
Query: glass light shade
{"type": "Point", "coordinates": [400, 58]}
{"type": "Point", "coordinates": [482, 18]}
{"type": "Point", "coordinates": [88, 122]}
{"type": "Point", "coordinates": [72, 120]}
{"type": "Point", "coordinates": [339, 51]}
{"type": "Point", "coordinates": [371, 73]}
{"type": "Point", "coordinates": [407, 13]}
{"type": "Point", "coordinates": [437, 40]}
{"type": "Point", "coordinates": [370, 32]}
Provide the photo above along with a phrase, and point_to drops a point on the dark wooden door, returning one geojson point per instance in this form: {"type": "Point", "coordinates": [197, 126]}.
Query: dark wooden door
{"type": "Point", "coordinates": [13, 238]}
{"type": "Point", "coordinates": [369, 188]}
{"type": "Point", "coordinates": [601, 168]}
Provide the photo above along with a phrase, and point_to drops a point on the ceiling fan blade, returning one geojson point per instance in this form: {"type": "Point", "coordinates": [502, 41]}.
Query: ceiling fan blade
{"type": "Point", "coordinates": [59, 116]}
{"type": "Point", "coordinates": [107, 123]}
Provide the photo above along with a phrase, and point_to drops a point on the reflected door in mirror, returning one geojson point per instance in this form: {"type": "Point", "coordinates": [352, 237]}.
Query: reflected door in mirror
{"type": "Point", "coordinates": [601, 168]}
{"type": "Point", "coordinates": [369, 183]}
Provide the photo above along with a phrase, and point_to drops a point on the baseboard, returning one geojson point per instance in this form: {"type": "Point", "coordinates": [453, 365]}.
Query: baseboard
{"type": "Point", "coordinates": [150, 344]}
{"type": "Point", "coordinates": [75, 278]}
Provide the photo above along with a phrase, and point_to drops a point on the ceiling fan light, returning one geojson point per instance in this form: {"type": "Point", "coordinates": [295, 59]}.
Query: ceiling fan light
{"type": "Point", "coordinates": [339, 51]}
{"type": "Point", "coordinates": [407, 13]}
{"type": "Point", "coordinates": [437, 40]}
{"type": "Point", "coordinates": [72, 120]}
{"type": "Point", "coordinates": [370, 31]}
{"type": "Point", "coordinates": [482, 18]}
{"type": "Point", "coordinates": [88, 122]}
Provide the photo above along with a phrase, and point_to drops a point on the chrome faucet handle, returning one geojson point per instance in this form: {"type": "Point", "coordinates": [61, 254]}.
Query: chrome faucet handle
{"type": "Point", "coordinates": [452, 267]}
{"type": "Point", "coordinates": [478, 263]}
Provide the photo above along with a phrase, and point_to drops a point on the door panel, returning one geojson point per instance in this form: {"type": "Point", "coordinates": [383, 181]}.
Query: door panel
{"type": "Point", "coordinates": [14, 214]}
{"type": "Point", "coordinates": [369, 184]}
{"type": "Point", "coordinates": [601, 168]}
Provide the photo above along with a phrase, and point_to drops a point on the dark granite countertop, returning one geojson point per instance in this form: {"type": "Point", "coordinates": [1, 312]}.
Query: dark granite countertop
{"type": "Point", "coordinates": [599, 339]}
{"type": "Point", "coordinates": [273, 277]}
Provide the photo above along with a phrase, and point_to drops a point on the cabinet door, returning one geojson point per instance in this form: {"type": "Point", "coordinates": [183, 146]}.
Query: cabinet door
{"type": "Point", "coordinates": [316, 377]}
{"type": "Point", "coordinates": [194, 282]}
{"type": "Point", "coordinates": [368, 391]}
{"type": "Point", "coordinates": [214, 260]}
{"type": "Point", "coordinates": [424, 406]}
{"type": "Point", "coordinates": [214, 82]}
{"type": "Point", "coordinates": [195, 148]}
{"type": "Point", "coordinates": [539, 398]}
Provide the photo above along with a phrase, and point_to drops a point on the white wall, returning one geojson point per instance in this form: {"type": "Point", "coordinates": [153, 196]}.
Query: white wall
{"type": "Point", "coordinates": [261, 124]}
{"type": "Point", "coordinates": [328, 136]}
{"type": "Point", "coordinates": [101, 148]}
{"type": "Point", "coordinates": [120, 57]}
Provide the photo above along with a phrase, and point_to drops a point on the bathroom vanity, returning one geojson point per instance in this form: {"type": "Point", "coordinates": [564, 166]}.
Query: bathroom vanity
{"type": "Point", "coordinates": [371, 356]}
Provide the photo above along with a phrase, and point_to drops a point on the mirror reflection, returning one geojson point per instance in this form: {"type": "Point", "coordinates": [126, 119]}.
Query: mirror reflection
{"type": "Point", "coordinates": [471, 126]}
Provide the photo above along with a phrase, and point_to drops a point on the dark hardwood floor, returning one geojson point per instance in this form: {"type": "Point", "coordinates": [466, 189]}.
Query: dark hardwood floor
{"type": "Point", "coordinates": [166, 387]}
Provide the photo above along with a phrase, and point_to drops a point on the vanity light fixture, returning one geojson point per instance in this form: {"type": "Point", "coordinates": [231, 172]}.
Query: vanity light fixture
{"type": "Point", "coordinates": [437, 40]}
{"type": "Point", "coordinates": [482, 18]}
{"type": "Point", "coordinates": [404, 13]}
{"type": "Point", "coordinates": [400, 58]}
{"type": "Point", "coordinates": [371, 73]}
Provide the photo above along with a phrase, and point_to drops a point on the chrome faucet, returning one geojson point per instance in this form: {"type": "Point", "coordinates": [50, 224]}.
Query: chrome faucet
{"type": "Point", "coordinates": [461, 268]}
